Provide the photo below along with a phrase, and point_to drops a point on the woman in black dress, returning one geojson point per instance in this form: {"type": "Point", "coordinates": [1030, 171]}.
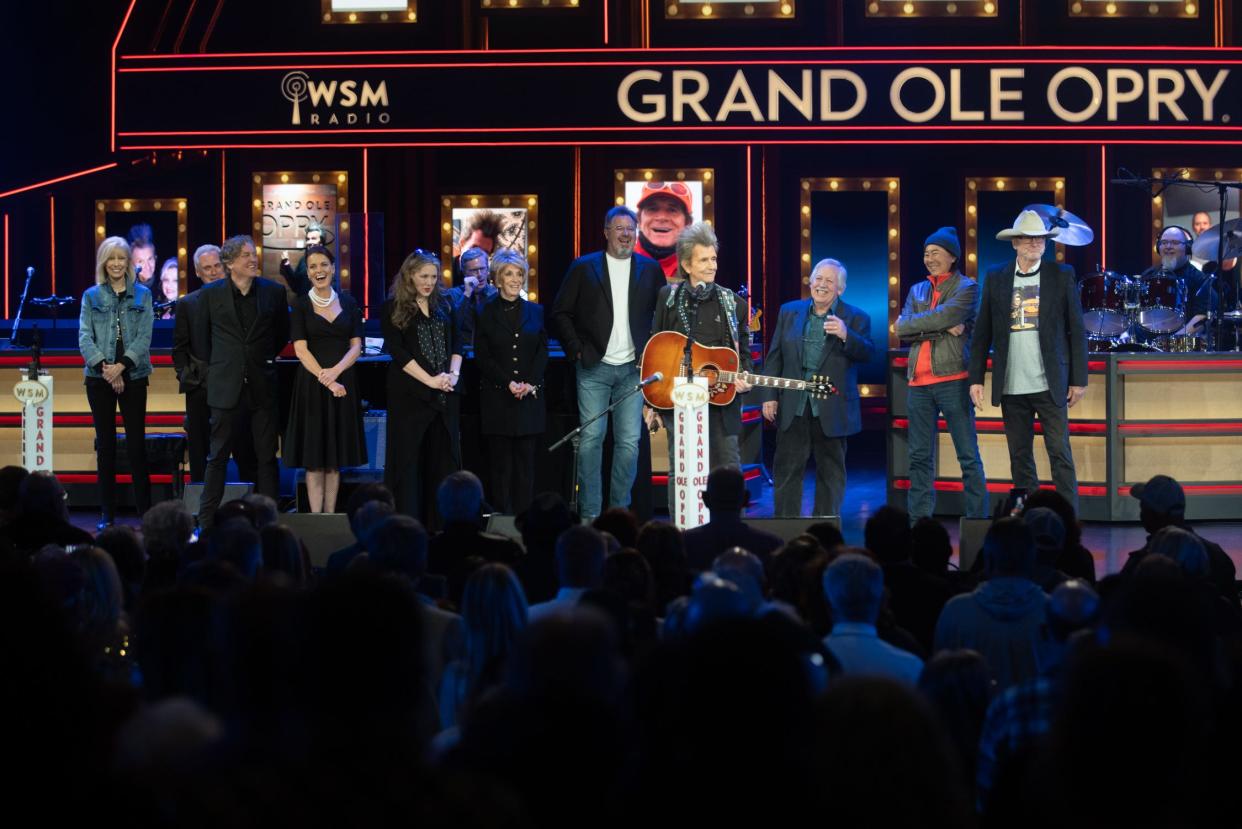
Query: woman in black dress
{"type": "Point", "coordinates": [424, 339]}
{"type": "Point", "coordinates": [511, 351]}
{"type": "Point", "coordinates": [325, 421]}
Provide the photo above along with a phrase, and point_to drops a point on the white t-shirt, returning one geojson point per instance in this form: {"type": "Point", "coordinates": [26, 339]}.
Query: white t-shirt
{"type": "Point", "coordinates": [620, 348]}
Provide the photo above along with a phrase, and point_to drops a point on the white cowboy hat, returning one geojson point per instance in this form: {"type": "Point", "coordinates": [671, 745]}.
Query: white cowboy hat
{"type": "Point", "coordinates": [1028, 223]}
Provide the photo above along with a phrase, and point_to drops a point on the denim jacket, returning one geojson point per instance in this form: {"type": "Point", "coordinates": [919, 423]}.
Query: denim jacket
{"type": "Point", "coordinates": [97, 329]}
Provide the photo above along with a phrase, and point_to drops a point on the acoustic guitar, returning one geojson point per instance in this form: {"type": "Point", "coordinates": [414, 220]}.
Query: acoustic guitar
{"type": "Point", "coordinates": [665, 353]}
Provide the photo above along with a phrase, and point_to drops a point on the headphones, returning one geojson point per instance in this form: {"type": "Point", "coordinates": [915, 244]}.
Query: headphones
{"type": "Point", "coordinates": [1190, 237]}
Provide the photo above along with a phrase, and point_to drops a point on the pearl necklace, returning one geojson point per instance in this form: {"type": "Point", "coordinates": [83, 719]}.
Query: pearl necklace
{"type": "Point", "coordinates": [323, 303]}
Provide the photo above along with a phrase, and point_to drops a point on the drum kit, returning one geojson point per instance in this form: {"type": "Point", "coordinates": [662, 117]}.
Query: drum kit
{"type": "Point", "coordinates": [1142, 313]}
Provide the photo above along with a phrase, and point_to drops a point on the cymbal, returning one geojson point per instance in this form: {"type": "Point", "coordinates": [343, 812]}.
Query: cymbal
{"type": "Point", "coordinates": [1205, 245]}
{"type": "Point", "coordinates": [1074, 231]}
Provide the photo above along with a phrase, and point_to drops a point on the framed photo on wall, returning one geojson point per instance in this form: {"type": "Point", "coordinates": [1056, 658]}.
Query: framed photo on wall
{"type": "Point", "coordinates": [490, 222]}
{"type": "Point", "coordinates": [156, 231]}
{"type": "Point", "coordinates": [857, 221]}
{"type": "Point", "coordinates": [284, 204]}
{"type": "Point", "coordinates": [368, 11]}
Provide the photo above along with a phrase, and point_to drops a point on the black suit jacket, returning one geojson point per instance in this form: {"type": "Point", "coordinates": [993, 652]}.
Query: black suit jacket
{"type": "Point", "coordinates": [839, 414]}
{"type": "Point", "coordinates": [191, 343]}
{"type": "Point", "coordinates": [235, 356]}
{"type": "Point", "coordinates": [723, 532]}
{"type": "Point", "coordinates": [506, 354]}
{"type": "Point", "coordinates": [1062, 336]}
{"type": "Point", "coordinates": [582, 314]}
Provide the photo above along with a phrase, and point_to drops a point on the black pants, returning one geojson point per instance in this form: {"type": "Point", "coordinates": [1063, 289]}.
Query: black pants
{"type": "Point", "coordinates": [262, 419]}
{"type": "Point", "coordinates": [805, 438]}
{"type": "Point", "coordinates": [133, 404]}
{"type": "Point", "coordinates": [1018, 412]}
{"type": "Point", "coordinates": [198, 438]}
{"type": "Point", "coordinates": [512, 462]}
{"type": "Point", "coordinates": [430, 452]}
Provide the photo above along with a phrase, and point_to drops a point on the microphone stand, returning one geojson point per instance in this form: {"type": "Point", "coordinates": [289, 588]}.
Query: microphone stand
{"type": "Point", "coordinates": [574, 438]}
{"type": "Point", "coordinates": [21, 304]}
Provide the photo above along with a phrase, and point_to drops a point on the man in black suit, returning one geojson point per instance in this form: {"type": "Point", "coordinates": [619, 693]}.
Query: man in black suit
{"type": "Point", "coordinates": [1031, 320]}
{"type": "Point", "coordinates": [190, 344]}
{"type": "Point", "coordinates": [726, 497]}
{"type": "Point", "coordinates": [248, 324]}
{"type": "Point", "coordinates": [821, 336]}
{"type": "Point", "coordinates": [602, 317]}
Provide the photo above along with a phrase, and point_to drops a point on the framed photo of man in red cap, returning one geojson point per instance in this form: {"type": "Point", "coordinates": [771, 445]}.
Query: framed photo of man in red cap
{"type": "Point", "coordinates": [666, 201]}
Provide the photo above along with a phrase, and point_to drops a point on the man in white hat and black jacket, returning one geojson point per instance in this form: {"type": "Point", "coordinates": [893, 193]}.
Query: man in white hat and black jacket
{"type": "Point", "coordinates": [1031, 321]}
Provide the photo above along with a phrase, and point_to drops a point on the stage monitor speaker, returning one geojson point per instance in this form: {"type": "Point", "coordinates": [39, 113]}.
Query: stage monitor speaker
{"type": "Point", "coordinates": [790, 528]}
{"type": "Point", "coordinates": [970, 534]}
{"type": "Point", "coordinates": [323, 533]}
{"type": "Point", "coordinates": [505, 525]}
{"type": "Point", "coordinates": [193, 494]}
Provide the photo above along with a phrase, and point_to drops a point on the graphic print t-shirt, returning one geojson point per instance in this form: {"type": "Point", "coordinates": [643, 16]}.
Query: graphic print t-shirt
{"type": "Point", "coordinates": [1025, 372]}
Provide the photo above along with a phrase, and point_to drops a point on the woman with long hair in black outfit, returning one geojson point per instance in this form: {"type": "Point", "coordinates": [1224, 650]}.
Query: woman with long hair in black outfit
{"type": "Point", "coordinates": [114, 336]}
{"type": "Point", "coordinates": [424, 339]}
{"type": "Point", "coordinates": [511, 351]}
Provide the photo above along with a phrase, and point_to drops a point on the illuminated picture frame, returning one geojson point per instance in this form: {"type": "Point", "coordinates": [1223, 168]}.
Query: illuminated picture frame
{"type": "Point", "coordinates": [716, 9]}
{"type": "Point", "coordinates": [488, 5]}
{"type": "Point", "coordinates": [357, 11]}
{"type": "Point", "coordinates": [1178, 205]}
{"type": "Point", "coordinates": [700, 182]}
{"type": "Point", "coordinates": [891, 187]}
{"type": "Point", "coordinates": [1131, 9]}
{"type": "Point", "coordinates": [914, 9]}
{"type": "Point", "coordinates": [1030, 189]}
{"type": "Point", "coordinates": [149, 211]}
{"type": "Point", "coordinates": [508, 221]}
{"type": "Point", "coordinates": [279, 219]}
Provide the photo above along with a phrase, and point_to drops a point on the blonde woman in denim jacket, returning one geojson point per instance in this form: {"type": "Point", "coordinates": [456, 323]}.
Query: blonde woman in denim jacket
{"type": "Point", "coordinates": [114, 336]}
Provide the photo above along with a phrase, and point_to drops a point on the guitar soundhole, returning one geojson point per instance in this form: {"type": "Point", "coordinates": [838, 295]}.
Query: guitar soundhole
{"type": "Point", "coordinates": [712, 374]}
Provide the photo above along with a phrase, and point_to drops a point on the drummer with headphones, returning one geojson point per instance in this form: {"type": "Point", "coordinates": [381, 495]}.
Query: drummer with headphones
{"type": "Point", "coordinates": [1174, 246]}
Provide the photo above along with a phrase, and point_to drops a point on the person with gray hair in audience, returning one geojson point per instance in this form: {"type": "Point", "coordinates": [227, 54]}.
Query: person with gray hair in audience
{"type": "Point", "coordinates": [854, 587]}
{"type": "Point", "coordinates": [580, 555]}
{"type": "Point", "coordinates": [461, 506]}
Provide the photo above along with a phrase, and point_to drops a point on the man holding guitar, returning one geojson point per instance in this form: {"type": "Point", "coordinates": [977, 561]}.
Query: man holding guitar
{"type": "Point", "coordinates": [823, 335]}
{"type": "Point", "coordinates": [709, 314]}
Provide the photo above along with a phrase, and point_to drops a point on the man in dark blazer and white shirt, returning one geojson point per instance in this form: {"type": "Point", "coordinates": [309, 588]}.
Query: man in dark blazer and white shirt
{"type": "Point", "coordinates": [602, 317]}
{"type": "Point", "coordinates": [841, 334]}
{"type": "Point", "coordinates": [248, 320]}
{"type": "Point", "coordinates": [1031, 320]}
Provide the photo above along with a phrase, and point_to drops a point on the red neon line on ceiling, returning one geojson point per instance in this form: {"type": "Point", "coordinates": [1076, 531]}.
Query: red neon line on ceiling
{"type": "Point", "coordinates": [1141, 48]}
{"type": "Point", "coordinates": [722, 142]}
{"type": "Point", "coordinates": [57, 180]}
{"type": "Point", "coordinates": [609, 64]}
{"type": "Point", "coordinates": [605, 22]}
{"type": "Point", "coordinates": [112, 76]}
{"type": "Point", "coordinates": [51, 207]}
{"type": "Point", "coordinates": [366, 236]}
{"type": "Point", "coordinates": [758, 128]}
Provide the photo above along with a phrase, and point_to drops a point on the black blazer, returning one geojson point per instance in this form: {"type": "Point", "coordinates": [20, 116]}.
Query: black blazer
{"type": "Point", "coordinates": [235, 355]}
{"type": "Point", "coordinates": [839, 414]}
{"type": "Point", "coordinates": [582, 314]}
{"type": "Point", "coordinates": [506, 354]}
{"type": "Point", "coordinates": [1062, 336]}
{"type": "Point", "coordinates": [191, 343]}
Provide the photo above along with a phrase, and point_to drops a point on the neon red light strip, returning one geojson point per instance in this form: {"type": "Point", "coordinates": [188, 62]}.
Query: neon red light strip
{"type": "Point", "coordinates": [577, 202]}
{"type": "Point", "coordinates": [605, 22]}
{"type": "Point", "coordinates": [957, 486]}
{"type": "Point", "coordinates": [57, 180]}
{"type": "Point", "coordinates": [51, 208]}
{"type": "Point", "coordinates": [112, 76]}
{"type": "Point", "coordinates": [65, 360]}
{"type": "Point", "coordinates": [366, 237]}
{"type": "Point", "coordinates": [779, 142]}
{"type": "Point", "coordinates": [185, 24]}
{"type": "Point", "coordinates": [680, 50]}
{"type": "Point", "coordinates": [1198, 489]}
{"type": "Point", "coordinates": [1092, 365]}
{"type": "Point", "coordinates": [1103, 207]}
{"type": "Point", "coordinates": [750, 209]}
{"type": "Point", "coordinates": [1144, 428]}
{"type": "Point", "coordinates": [92, 478]}
{"type": "Point", "coordinates": [996, 425]}
{"type": "Point", "coordinates": [224, 232]}
{"type": "Point", "coordinates": [6, 270]}
{"type": "Point", "coordinates": [87, 420]}
{"type": "Point", "coordinates": [1162, 365]}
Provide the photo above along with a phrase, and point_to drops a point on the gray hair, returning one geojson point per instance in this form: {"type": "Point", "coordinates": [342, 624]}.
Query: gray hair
{"type": "Point", "coordinates": [232, 248]}
{"type": "Point", "coordinates": [504, 257]}
{"type": "Point", "coordinates": [697, 234]}
{"type": "Point", "coordinates": [854, 586]}
{"type": "Point", "coordinates": [1184, 547]}
{"type": "Point", "coordinates": [831, 263]}
{"type": "Point", "coordinates": [205, 249]}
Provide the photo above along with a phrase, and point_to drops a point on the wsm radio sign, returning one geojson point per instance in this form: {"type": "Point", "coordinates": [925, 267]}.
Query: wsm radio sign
{"type": "Point", "coordinates": [347, 102]}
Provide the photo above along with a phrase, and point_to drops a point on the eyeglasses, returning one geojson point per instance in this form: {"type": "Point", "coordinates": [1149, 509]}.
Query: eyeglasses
{"type": "Point", "coordinates": [621, 228]}
{"type": "Point", "coordinates": [676, 187]}
{"type": "Point", "coordinates": [426, 254]}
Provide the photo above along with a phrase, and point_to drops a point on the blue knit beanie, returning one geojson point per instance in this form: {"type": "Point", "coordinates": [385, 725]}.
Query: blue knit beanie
{"type": "Point", "coordinates": [946, 237]}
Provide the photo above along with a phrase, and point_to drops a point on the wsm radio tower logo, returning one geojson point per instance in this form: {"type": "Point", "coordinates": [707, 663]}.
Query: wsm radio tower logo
{"type": "Point", "coordinates": [342, 99]}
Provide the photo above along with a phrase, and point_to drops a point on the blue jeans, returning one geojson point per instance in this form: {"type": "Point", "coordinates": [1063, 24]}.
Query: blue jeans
{"type": "Point", "coordinates": [598, 387]}
{"type": "Point", "coordinates": [925, 403]}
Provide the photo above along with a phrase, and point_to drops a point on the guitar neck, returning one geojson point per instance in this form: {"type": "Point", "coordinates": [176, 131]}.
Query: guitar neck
{"type": "Point", "coordinates": [763, 380]}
